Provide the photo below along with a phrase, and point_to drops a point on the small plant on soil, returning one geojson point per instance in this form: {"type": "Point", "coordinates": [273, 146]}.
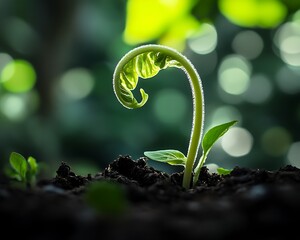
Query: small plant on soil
{"type": "Point", "coordinates": [224, 171]}
{"type": "Point", "coordinates": [23, 170]}
{"type": "Point", "coordinates": [145, 62]}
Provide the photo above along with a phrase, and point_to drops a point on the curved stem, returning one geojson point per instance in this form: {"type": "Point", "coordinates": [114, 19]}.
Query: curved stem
{"type": "Point", "coordinates": [198, 101]}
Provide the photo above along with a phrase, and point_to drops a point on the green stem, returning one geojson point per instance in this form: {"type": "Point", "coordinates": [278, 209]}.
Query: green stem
{"type": "Point", "coordinates": [198, 119]}
{"type": "Point", "coordinates": [198, 101]}
{"type": "Point", "coordinates": [198, 168]}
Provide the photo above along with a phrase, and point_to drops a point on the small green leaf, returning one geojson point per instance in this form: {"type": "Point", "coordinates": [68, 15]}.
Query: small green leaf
{"type": "Point", "coordinates": [172, 157]}
{"type": "Point", "coordinates": [214, 134]}
{"type": "Point", "coordinates": [208, 141]}
{"type": "Point", "coordinates": [223, 171]}
{"type": "Point", "coordinates": [32, 165]}
{"type": "Point", "coordinates": [19, 164]}
{"type": "Point", "coordinates": [134, 66]}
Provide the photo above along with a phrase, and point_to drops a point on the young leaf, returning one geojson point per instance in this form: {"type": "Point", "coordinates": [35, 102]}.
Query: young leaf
{"type": "Point", "coordinates": [172, 157]}
{"type": "Point", "coordinates": [214, 134]}
{"type": "Point", "coordinates": [19, 164]}
{"type": "Point", "coordinates": [33, 166]}
{"type": "Point", "coordinates": [138, 64]}
{"type": "Point", "coordinates": [223, 171]}
{"type": "Point", "coordinates": [208, 141]}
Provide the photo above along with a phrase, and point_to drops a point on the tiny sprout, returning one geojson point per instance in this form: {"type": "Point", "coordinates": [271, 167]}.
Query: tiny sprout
{"type": "Point", "coordinates": [23, 170]}
{"type": "Point", "coordinates": [224, 171]}
{"type": "Point", "coordinates": [145, 62]}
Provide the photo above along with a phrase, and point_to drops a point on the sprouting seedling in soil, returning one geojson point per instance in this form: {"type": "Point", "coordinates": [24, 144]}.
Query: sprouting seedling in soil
{"type": "Point", "coordinates": [23, 170]}
{"type": "Point", "coordinates": [145, 62]}
{"type": "Point", "coordinates": [224, 171]}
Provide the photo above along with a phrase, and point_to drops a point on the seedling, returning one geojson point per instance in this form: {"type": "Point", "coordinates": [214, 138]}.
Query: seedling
{"type": "Point", "coordinates": [224, 171]}
{"type": "Point", "coordinates": [145, 62]}
{"type": "Point", "coordinates": [23, 170]}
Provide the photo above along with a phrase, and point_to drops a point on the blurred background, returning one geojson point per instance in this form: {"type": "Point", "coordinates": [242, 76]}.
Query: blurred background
{"type": "Point", "coordinates": [57, 60]}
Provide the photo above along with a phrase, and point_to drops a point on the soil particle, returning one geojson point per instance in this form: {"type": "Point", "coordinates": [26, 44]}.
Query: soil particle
{"type": "Point", "coordinates": [246, 204]}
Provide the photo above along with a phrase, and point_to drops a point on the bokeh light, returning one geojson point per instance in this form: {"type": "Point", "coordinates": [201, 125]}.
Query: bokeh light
{"type": "Point", "coordinates": [18, 76]}
{"type": "Point", "coordinates": [248, 43]}
{"type": "Point", "coordinates": [288, 80]}
{"type": "Point", "coordinates": [205, 40]}
{"type": "Point", "coordinates": [150, 19]}
{"type": "Point", "coordinates": [237, 142]}
{"type": "Point", "coordinates": [13, 106]}
{"type": "Point", "coordinates": [225, 114]}
{"type": "Point", "coordinates": [259, 90]}
{"type": "Point", "coordinates": [276, 141]}
{"type": "Point", "coordinates": [170, 106]}
{"type": "Point", "coordinates": [77, 83]}
{"type": "Point", "coordinates": [234, 74]}
{"type": "Point", "coordinates": [212, 167]}
{"type": "Point", "coordinates": [4, 60]}
{"type": "Point", "coordinates": [179, 31]}
{"type": "Point", "coordinates": [253, 13]}
{"type": "Point", "coordinates": [293, 154]}
{"type": "Point", "coordinates": [287, 39]}
{"type": "Point", "coordinates": [296, 16]}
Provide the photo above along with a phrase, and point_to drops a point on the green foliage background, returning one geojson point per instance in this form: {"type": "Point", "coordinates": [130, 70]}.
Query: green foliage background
{"type": "Point", "coordinates": [57, 59]}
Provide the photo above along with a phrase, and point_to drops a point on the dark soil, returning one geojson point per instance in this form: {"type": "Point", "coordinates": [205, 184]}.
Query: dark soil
{"type": "Point", "coordinates": [247, 204]}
